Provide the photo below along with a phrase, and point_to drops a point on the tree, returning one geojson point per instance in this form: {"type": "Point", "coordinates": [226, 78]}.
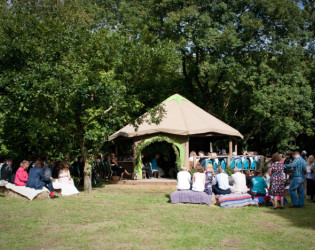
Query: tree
{"type": "Point", "coordinates": [235, 53]}
{"type": "Point", "coordinates": [71, 79]}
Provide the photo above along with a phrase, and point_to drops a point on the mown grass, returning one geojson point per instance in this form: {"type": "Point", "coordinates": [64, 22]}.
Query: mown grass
{"type": "Point", "coordinates": [111, 218]}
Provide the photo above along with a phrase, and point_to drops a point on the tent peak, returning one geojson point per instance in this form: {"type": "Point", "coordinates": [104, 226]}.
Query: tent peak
{"type": "Point", "coordinates": [176, 97]}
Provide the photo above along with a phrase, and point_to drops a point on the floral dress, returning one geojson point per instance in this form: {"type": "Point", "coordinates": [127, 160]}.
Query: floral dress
{"type": "Point", "coordinates": [209, 179]}
{"type": "Point", "coordinates": [277, 179]}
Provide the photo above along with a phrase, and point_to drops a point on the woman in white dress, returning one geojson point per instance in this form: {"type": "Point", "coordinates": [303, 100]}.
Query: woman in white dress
{"type": "Point", "coordinates": [199, 179]}
{"type": "Point", "coordinates": [65, 181]}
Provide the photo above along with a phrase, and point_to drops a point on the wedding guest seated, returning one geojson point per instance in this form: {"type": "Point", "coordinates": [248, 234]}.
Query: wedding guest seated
{"type": "Point", "coordinates": [64, 174]}
{"type": "Point", "coordinates": [183, 179]}
{"type": "Point", "coordinates": [145, 165]}
{"type": "Point", "coordinates": [6, 171]}
{"type": "Point", "coordinates": [120, 171]}
{"type": "Point", "coordinates": [47, 170]}
{"type": "Point", "coordinates": [239, 182]}
{"type": "Point", "coordinates": [209, 178]}
{"type": "Point", "coordinates": [202, 159]}
{"type": "Point", "coordinates": [55, 171]}
{"type": "Point", "coordinates": [65, 180]}
{"type": "Point", "coordinates": [21, 175]}
{"type": "Point", "coordinates": [220, 184]}
{"type": "Point", "coordinates": [199, 179]}
{"type": "Point", "coordinates": [259, 185]}
{"type": "Point", "coordinates": [192, 155]}
{"type": "Point", "coordinates": [223, 153]}
{"type": "Point", "coordinates": [249, 177]}
{"type": "Point", "coordinates": [155, 164]}
{"type": "Point", "coordinates": [37, 179]}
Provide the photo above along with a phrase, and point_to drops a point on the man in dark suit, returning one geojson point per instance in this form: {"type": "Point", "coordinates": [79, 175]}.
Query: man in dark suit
{"type": "Point", "coordinates": [38, 180]}
{"type": "Point", "coordinates": [6, 171]}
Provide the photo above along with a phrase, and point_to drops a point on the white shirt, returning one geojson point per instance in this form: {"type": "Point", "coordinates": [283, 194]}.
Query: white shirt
{"type": "Point", "coordinates": [222, 180]}
{"type": "Point", "coordinates": [239, 185]}
{"type": "Point", "coordinates": [199, 182]}
{"type": "Point", "coordinates": [183, 180]}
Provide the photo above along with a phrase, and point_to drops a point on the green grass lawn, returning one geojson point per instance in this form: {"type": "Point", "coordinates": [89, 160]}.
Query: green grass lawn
{"type": "Point", "coordinates": [144, 219]}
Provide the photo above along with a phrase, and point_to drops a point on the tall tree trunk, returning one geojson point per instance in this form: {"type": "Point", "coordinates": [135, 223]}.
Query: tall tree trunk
{"type": "Point", "coordinates": [87, 170]}
{"type": "Point", "coordinates": [87, 177]}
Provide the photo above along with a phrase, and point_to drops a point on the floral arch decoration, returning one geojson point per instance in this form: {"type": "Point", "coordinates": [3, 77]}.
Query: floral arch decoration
{"type": "Point", "coordinates": [178, 149]}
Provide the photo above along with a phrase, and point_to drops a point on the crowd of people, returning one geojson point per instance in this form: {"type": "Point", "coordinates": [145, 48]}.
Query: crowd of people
{"type": "Point", "coordinates": [39, 174]}
{"type": "Point", "coordinates": [284, 173]}
{"type": "Point", "coordinates": [292, 173]}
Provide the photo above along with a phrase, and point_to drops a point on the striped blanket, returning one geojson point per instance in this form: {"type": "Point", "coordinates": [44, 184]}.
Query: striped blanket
{"type": "Point", "coordinates": [236, 200]}
{"type": "Point", "coordinates": [190, 197]}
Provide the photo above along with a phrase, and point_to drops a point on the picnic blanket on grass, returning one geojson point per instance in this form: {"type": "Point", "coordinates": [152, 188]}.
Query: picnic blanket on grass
{"type": "Point", "coordinates": [190, 197]}
{"type": "Point", "coordinates": [27, 192]}
{"type": "Point", "coordinates": [236, 200]}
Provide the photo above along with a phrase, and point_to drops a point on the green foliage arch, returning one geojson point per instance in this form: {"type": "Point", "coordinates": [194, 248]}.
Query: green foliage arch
{"type": "Point", "coordinates": [178, 149]}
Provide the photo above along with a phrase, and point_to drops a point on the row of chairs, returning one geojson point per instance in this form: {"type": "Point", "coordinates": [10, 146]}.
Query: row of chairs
{"type": "Point", "coordinates": [244, 164]}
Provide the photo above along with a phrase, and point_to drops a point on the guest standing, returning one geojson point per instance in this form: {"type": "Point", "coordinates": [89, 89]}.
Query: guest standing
{"type": "Point", "coordinates": [21, 175]}
{"type": "Point", "coordinates": [297, 182]}
{"type": "Point", "coordinates": [310, 182]}
{"type": "Point", "coordinates": [277, 183]}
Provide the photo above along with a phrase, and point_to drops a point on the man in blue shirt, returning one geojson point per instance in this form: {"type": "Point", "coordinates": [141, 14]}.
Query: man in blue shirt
{"type": "Point", "coordinates": [297, 183]}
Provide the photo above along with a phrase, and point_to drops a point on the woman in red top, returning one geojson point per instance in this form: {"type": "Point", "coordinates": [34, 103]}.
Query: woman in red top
{"type": "Point", "coordinates": [21, 175]}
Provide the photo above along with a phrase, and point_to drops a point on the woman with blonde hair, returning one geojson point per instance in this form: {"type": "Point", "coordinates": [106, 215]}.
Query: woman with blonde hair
{"type": "Point", "coordinates": [209, 178]}
{"type": "Point", "coordinates": [21, 175]}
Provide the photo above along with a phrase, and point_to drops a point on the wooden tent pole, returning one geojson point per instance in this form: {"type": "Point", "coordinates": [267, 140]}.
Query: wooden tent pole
{"type": "Point", "coordinates": [116, 148]}
{"type": "Point", "coordinates": [187, 154]}
{"type": "Point", "coordinates": [230, 151]}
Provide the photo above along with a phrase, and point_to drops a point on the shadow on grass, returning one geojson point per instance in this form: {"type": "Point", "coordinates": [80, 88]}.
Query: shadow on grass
{"type": "Point", "coordinates": [299, 217]}
{"type": "Point", "coordinates": [94, 187]}
{"type": "Point", "coordinates": [168, 196]}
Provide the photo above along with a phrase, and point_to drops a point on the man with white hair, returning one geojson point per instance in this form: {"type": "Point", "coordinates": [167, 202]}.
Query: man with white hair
{"type": "Point", "coordinates": [239, 182]}
{"type": "Point", "coordinates": [183, 179]}
{"type": "Point", "coordinates": [220, 185]}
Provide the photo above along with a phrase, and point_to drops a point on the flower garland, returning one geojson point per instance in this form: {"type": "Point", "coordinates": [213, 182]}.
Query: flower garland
{"type": "Point", "coordinates": [178, 149]}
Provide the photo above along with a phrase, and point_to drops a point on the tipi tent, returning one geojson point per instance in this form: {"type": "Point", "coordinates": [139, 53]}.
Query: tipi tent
{"type": "Point", "coordinates": [182, 119]}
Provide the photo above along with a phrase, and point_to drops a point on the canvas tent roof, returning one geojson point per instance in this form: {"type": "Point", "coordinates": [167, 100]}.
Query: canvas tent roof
{"type": "Point", "coordinates": [181, 117]}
